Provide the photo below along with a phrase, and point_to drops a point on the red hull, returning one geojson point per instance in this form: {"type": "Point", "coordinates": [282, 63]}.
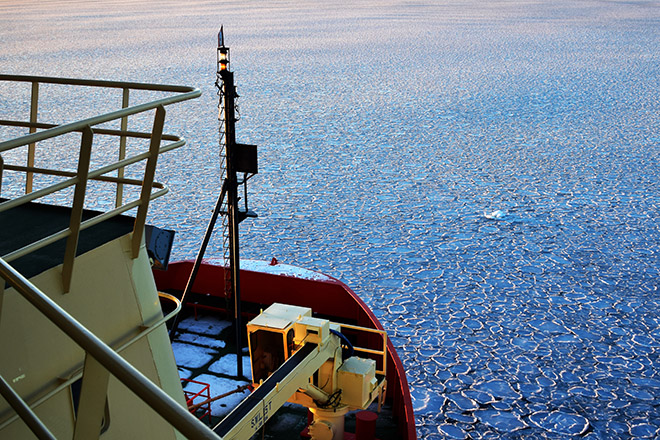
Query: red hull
{"type": "Point", "coordinates": [328, 297]}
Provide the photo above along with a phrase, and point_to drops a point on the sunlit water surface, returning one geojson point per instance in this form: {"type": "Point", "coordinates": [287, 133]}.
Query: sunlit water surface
{"type": "Point", "coordinates": [485, 175]}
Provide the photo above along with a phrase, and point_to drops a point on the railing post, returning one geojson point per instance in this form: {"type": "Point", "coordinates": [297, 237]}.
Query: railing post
{"type": "Point", "coordinates": [34, 107]}
{"type": "Point", "coordinates": [77, 208]}
{"type": "Point", "coordinates": [122, 150]}
{"type": "Point", "coordinates": [93, 395]}
{"type": "Point", "coordinates": [147, 182]}
{"type": "Point", "coordinates": [2, 164]}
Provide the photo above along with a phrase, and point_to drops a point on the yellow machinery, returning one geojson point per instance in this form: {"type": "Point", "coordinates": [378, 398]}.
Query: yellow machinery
{"type": "Point", "coordinates": [298, 358]}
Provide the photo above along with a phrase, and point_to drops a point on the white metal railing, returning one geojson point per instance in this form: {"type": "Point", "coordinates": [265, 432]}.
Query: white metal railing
{"type": "Point", "coordinates": [100, 359]}
{"type": "Point", "coordinates": [80, 178]}
{"type": "Point", "coordinates": [78, 373]}
{"type": "Point", "coordinates": [97, 352]}
{"type": "Point", "coordinates": [380, 352]}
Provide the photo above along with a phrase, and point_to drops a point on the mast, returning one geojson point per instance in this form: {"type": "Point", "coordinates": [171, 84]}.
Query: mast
{"type": "Point", "coordinates": [238, 158]}
{"type": "Point", "coordinates": [228, 95]}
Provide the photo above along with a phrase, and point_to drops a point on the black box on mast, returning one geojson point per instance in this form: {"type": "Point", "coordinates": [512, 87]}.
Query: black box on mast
{"type": "Point", "coordinates": [245, 157]}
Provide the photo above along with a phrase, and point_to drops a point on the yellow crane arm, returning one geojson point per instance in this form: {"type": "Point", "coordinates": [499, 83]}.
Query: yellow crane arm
{"type": "Point", "coordinates": [251, 414]}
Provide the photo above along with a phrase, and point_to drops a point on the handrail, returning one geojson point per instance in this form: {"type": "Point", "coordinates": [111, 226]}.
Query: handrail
{"type": "Point", "coordinates": [380, 352]}
{"type": "Point", "coordinates": [80, 178]}
{"type": "Point", "coordinates": [97, 83]}
{"type": "Point", "coordinates": [83, 225]}
{"type": "Point", "coordinates": [77, 374]}
{"type": "Point", "coordinates": [24, 411]}
{"type": "Point", "coordinates": [186, 93]}
{"type": "Point", "coordinates": [97, 352]}
{"type": "Point", "coordinates": [106, 131]}
{"type": "Point", "coordinates": [179, 417]}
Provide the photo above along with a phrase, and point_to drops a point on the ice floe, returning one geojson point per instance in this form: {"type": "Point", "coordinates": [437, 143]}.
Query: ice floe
{"type": "Point", "coordinates": [498, 214]}
{"type": "Point", "coordinates": [560, 422]}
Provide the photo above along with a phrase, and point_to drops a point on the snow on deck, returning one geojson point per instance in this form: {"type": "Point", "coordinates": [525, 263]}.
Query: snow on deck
{"type": "Point", "coordinates": [278, 269]}
{"type": "Point", "coordinates": [201, 355]}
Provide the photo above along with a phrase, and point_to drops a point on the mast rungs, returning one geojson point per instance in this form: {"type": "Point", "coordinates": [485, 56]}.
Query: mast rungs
{"type": "Point", "coordinates": [242, 215]}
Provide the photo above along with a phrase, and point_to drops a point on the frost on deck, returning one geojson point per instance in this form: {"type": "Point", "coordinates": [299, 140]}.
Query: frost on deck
{"type": "Point", "coordinates": [202, 355]}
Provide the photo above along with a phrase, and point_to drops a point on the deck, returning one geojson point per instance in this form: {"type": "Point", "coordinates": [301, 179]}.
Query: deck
{"type": "Point", "coordinates": [26, 224]}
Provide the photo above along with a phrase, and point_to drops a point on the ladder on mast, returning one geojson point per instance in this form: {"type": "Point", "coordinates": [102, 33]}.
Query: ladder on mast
{"type": "Point", "coordinates": [235, 159]}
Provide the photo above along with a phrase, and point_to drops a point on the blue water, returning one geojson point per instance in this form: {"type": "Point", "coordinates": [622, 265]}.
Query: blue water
{"type": "Point", "coordinates": [484, 174]}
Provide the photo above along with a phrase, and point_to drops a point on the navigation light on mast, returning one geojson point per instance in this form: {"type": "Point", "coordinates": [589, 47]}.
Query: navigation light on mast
{"type": "Point", "coordinates": [223, 53]}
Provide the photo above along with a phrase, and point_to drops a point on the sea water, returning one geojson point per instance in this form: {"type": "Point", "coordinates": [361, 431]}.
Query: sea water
{"type": "Point", "coordinates": [484, 174]}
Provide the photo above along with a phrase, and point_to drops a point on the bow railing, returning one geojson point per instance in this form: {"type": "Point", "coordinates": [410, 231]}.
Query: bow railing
{"type": "Point", "coordinates": [89, 129]}
{"type": "Point", "coordinates": [99, 356]}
